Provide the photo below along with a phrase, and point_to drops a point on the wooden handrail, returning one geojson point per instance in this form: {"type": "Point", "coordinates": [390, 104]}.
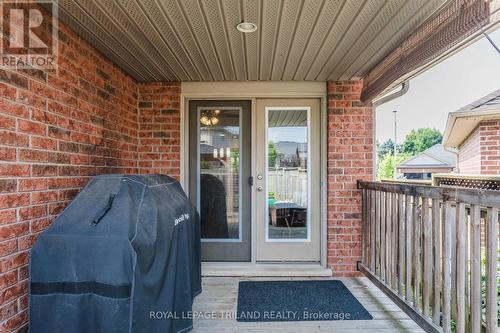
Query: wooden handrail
{"type": "Point", "coordinates": [424, 245]}
{"type": "Point", "coordinates": [465, 195]}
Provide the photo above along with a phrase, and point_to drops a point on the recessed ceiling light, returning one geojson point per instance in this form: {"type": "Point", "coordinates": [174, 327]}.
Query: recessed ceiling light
{"type": "Point", "coordinates": [246, 27]}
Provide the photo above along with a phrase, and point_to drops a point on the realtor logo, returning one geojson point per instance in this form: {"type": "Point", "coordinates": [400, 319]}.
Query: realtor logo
{"type": "Point", "coordinates": [29, 34]}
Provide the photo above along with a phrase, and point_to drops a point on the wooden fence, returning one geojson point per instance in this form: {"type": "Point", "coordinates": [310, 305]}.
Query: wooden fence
{"type": "Point", "coordinates": [422, 246]}
{"type": "Point", "coordinates": [289, 184]}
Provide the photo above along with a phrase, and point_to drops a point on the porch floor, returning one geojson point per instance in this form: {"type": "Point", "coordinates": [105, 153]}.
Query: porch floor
{"type": "Point", "coordinates": [220, 295]}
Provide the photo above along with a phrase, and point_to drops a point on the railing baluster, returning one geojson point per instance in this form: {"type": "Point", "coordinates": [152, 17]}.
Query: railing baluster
{"type": "Point", "coordinates": [368, 227]}
{"type": "Point", "coordinates": [373, 230]}
{"type": "Point", "coordinates": [436, 234]}
{"type": "Point", "coordinates": [388, 239]}
{"type": "Point", "coordinates": [461, 270]}
{"type": "Point", "coordinates": [447, 222]}
{"type": "Point", "coordinates": [467, 270]}
{"type": "Point", "coordinates": [408, 228]}
{"type": "Point", "coordinates": [475, 280]}
{"type": "Point", "coordinates": [453, 230]}
{"type": "Point", "coordinates": [377, 234]}
{"type": "Point", "coordinates": [363, 226]}
{"type": "Point", "coordinates": [427, 243]}
{"type": "Point", "coordinates": [383, 244]}
{"type": "Point", "coordinates": [492, 270]}
{"type": "Point", "coordinates": [394, 222]}
{"type": "Point", "coordinates": [417, 233]}
{"type": "Point", "coordinates": [401, 243]}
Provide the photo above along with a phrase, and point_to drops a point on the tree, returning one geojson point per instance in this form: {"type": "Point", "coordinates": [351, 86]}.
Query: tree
{"type": "Point", "coordinates": [386, 164]}
{"type": "Point", "coordinates": [272, 154]}
{"type": "Point", "coordinates": [386, 147]}
{"type": "Point", "coordinates": [419, 140]}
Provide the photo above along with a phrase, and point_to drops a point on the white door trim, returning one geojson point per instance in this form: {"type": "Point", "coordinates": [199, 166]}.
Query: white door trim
{"type": "Point", "coordinates": [251, 90]}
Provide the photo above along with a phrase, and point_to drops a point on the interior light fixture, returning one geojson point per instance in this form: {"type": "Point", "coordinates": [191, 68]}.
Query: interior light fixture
{"type": "Point", "coordinates": [209, 117]}
{"type": "Point", "coordinates": [246, 27]}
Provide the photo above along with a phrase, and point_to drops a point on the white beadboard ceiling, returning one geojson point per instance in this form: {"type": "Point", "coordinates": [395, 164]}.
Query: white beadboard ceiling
{"type": "Point", "coordinates": [197, 40]}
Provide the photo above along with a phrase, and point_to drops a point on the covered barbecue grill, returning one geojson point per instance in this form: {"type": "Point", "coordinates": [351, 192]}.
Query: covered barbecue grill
{"type": "Point", "coordinates": [123, 257]}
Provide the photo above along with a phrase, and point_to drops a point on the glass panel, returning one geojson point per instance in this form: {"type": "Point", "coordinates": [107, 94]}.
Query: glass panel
{"type": "Point", "coordinates": [287, 175]}
{"type": "Point", "coordinates": [219, 151]}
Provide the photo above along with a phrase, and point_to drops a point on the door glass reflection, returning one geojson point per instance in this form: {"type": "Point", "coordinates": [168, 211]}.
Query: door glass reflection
{"type": "Point", "coordinates": [219, 167]}
{"type": "Point", "coordinates": [287, 160]}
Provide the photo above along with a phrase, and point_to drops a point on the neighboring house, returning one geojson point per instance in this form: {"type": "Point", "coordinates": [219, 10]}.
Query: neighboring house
{"type": "Point", "coordinates": [474, 131]}
{"type": "Point", "coordinates": [433, 160]}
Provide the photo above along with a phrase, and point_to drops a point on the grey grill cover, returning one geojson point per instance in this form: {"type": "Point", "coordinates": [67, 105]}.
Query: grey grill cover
{"type": "Point", "coordinates": [123, 257]}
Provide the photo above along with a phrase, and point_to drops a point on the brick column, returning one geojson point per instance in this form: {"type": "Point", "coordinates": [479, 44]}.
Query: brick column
{"type": "Point", "coordinates": [160, 128]}
{"type": "Point", "coordinates": [350, 157]}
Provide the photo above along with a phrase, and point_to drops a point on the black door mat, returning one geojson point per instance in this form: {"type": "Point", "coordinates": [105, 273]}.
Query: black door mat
{"type": "Point", "coordinates": [297, 301]}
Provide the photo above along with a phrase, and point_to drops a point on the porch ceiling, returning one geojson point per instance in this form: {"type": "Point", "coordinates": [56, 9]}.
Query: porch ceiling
{"type": "Point", "coordinates": [197, 40]}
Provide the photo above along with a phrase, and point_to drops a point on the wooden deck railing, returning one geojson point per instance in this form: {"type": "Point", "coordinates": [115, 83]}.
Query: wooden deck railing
{"type": "Point", "coordinates": [430, 249]}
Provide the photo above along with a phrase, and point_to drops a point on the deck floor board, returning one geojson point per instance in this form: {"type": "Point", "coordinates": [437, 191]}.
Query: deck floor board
{"type": "Point", "coordinates": [220, 294]}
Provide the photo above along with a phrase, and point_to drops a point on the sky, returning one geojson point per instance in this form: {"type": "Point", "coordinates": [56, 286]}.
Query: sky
{"type": "Point", "coordinates": [465, 77]}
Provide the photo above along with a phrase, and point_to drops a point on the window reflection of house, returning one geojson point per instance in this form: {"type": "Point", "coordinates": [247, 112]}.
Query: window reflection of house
{"type": "Point", "coordinates": [219, 167]}
{"type": "Point", "coordinates": [287, 176]}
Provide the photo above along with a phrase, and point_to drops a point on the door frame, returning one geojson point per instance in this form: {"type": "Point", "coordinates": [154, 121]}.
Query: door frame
{"type": "Point", "coordinates": [253, 90]}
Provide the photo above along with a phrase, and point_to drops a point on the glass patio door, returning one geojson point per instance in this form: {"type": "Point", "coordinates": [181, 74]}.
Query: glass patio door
{"type": "Point", "coordinates": [287, 186]}
{"type": "Point", "coordinates": [219, 174]}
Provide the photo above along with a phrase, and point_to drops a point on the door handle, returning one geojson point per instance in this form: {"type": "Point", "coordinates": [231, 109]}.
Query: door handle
{"type": "Point", "coordinates": [250, 181]}
{"type": "Point", "coordinates": [260, 188]}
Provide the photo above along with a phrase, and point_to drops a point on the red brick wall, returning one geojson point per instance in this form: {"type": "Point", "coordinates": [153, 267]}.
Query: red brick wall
{"type": "Point", "coordinates": [489, 132]}
{"type": "Point", "coordinates": [480, 153]}
{"type": "Point", "coordinates": [160, 128]}
{"type": "Point", "coordinates": [469, 158]}
{"type": "Point", "coordinates": [59, 128]}
{"type": "Point", "coordinates": [350, 157]}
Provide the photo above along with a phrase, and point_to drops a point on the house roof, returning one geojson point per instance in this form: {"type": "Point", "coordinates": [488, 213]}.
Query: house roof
{"type": "Point", "coordinates": [434, 157]}
{"type": "Point", "coordinates": [463, 122]}
{"type": "Point", "coordinates": [192, 40]}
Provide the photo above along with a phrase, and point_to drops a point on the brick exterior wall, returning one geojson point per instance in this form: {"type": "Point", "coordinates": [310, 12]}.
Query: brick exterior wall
{"type": "Point", "coordinates": [350, 157]}
{"type": "Point", "coordinates": [58, 129]}
{"type": "Point", "coordinates": [489, 132]}
{"type": "Point", "coordinates": [480, 152]}
{"type": "Point", "coordinates": [469, 158]}
{"type": "Point", "coordinates": [160, 128]}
